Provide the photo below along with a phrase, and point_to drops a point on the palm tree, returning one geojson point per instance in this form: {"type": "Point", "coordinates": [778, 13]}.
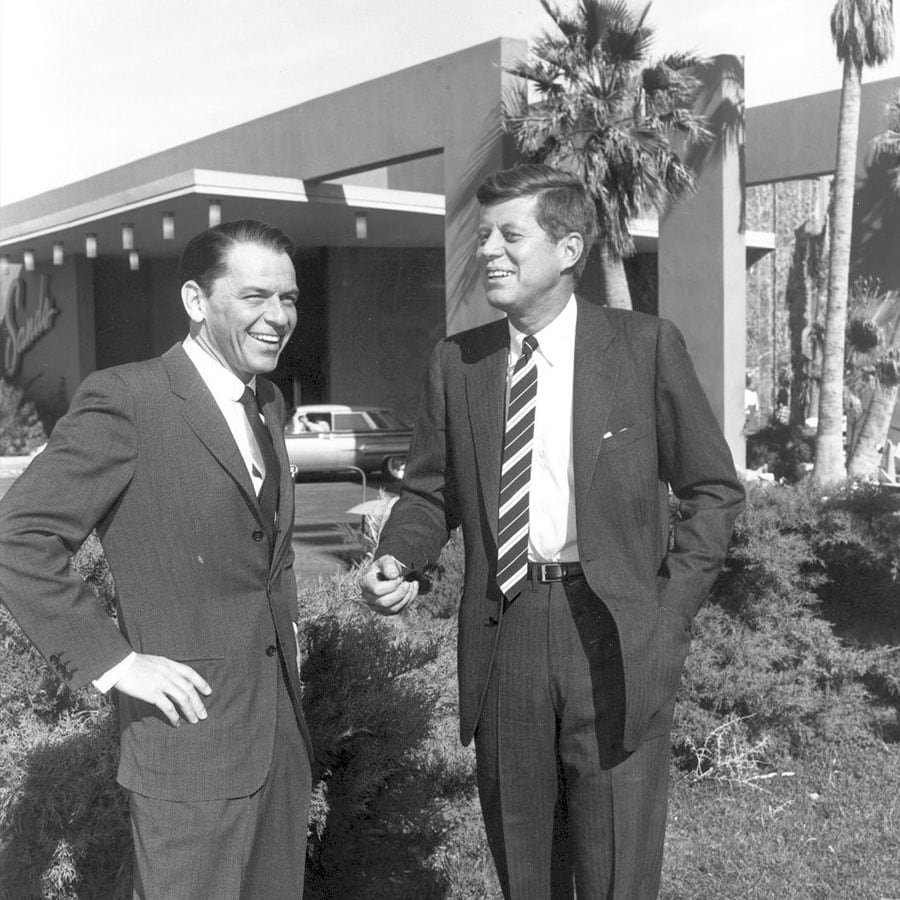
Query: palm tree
{"type": "Point", "coordinates": [872, 372]}
{"type": "Point", "coordinates": [605, 114]}
{"type": "Point", "coordinates": [863, 33]}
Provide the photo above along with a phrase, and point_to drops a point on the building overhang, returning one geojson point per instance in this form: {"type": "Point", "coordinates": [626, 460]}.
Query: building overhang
{"type": "Point", "coordinates": [645, 234]}
{"type": "Point", "coordinates": [311, 213]}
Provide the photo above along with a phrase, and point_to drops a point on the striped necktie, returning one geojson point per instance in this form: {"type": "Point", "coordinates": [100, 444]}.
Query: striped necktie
{"type": "Point", "coordinates": [515, 476]}
{"type": "Point", "coordinates": [268, 493]}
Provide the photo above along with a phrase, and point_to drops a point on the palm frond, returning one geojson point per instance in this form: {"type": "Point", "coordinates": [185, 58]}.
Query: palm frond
{"type": "Point", "coordinates": [880, 33]}
{"type": "Point", "coordinates": [603, 112]}
{"type": "Point", "coordinates": [684, 59]}
{"type": "Point", "coordinates": [863, 31]}
{"type": "Point", "coordinates": [566, 24]}
{"type": "Point", "coordinates": [888, 142]}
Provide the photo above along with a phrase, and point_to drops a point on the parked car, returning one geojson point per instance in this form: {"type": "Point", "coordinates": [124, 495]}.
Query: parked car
{"type": "Point", "coordinates": [330, 437]}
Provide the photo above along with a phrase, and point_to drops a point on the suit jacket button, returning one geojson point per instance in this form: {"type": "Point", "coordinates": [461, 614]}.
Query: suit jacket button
{"type": "Point", "coordinates": [270, 650]}
{"type": "Point", "coordinates": [257, 536]}
{"type": "Point", "coordinates": [53, 660]}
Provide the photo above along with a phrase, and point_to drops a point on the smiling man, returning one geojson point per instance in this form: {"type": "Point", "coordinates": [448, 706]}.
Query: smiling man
{"type": "Point", "coordinates": [553, 437]}
{"type": "Point", "coordinates": [179, 463]}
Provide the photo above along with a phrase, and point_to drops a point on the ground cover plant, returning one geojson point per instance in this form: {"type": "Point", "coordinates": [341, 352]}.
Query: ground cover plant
{"type": "Point", "coordinates": [785, 765]}
{"type": "Point", "coordinates": [21, 429]}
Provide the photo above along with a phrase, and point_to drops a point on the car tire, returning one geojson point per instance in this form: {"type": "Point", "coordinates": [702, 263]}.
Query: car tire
{"type": "Point", "coordinates": [394, 467]}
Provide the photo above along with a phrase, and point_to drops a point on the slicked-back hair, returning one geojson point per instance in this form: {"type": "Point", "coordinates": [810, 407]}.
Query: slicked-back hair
{"type": "Point", "coordinates": [205, 258]}
{"type": "Point", "coordinates": [563, 202]}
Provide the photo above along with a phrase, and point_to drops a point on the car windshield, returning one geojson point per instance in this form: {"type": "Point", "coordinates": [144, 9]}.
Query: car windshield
{"type": "Point", "coordinates": [388, 420]}
{"type": "Point", "coordinates": [351, 421]}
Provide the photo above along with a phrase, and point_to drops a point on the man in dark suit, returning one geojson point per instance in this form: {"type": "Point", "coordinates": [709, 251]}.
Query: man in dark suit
{"type": "Point", "coordinates": [552, 436]}
{"type": "Point", "coordinates": [179, 463]}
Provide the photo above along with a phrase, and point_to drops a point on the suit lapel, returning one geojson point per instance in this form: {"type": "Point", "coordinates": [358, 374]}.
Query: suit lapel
{"type": "Point", "coordinates": [597, 359]}
{"type": "Point", "coordinates": [270, 411]}
{"type": "Point", "coordinates": [202, 414]}
{"type": "Point", "coordinates": [486, 399]}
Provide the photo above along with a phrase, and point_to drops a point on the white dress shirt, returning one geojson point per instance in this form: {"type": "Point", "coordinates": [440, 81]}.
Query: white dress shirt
{"type": "Point", "coordinates": [227, 390]}
{"type": "Point", "coordinates": [551, 509]}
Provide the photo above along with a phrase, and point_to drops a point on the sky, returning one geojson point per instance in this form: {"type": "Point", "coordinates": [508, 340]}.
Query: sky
{"type": "Point", "coordinates": [86, 85]}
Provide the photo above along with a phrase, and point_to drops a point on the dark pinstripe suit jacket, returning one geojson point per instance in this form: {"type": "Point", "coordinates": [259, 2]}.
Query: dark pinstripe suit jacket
{"type": "Point", "coordinates": [641, 423]}
{"type": "Point", "coordinates": [145, 456]}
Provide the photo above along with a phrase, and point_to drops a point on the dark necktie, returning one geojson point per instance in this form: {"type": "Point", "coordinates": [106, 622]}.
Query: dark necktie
{"type": "Point", "coordinates": [268, 493]}
{"type": "Point", "coordinates": [515, 476]}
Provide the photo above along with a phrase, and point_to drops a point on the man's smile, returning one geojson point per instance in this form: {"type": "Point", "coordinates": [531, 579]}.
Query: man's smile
{"type": "Point", "coordinates": [272, 340]}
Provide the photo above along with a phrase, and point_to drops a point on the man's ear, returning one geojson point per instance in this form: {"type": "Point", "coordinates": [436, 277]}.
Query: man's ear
{"type": "Point", "coordinates": [194, 301]}
{"type": "Point", "coordinates": [572, 248]}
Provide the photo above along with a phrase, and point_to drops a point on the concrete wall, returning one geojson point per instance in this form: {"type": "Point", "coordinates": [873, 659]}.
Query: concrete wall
{"type": "Point", "coordinates": [798, 138]}
{"type": "Point", "coordinates": [702, 258]}
{"type": "Point", "coordinates": [138, 314]}
{"type": "Point", "coordinates": [123, 302]}
{"type": "Point", "coordinates": [385, 313]}
{"type": "Point", "coordinates": [441, 105]}
{"type": "Point", "coordinates": [302, 372]}
{"type": "Point", "coordinates": [168, 320]}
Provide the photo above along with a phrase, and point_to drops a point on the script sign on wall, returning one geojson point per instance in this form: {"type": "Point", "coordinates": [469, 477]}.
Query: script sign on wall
{"type": "Point", "coordinates": [23, 327]}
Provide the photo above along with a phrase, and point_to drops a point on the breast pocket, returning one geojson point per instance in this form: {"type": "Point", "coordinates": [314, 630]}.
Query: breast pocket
{"type": "Point", "coordinates": [617, 438]}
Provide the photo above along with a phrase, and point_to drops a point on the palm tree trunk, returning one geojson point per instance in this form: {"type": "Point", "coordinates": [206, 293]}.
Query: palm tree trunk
{"type": "Point", "coordinates": [866, 456]}
{"type": "Point", "coordinates": [829, 464]}
{"type": "Point", "coordinates": [615, 281]}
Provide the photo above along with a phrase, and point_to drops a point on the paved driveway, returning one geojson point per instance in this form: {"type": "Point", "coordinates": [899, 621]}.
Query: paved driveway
{"type": "Point", "coordinates": [326, 536]}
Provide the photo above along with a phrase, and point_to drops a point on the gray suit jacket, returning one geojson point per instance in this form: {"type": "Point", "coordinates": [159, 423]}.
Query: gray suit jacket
{"type": "Point", "coordinates": [641, 423]}
{"type": "Point", "coordinates": [145, 456]}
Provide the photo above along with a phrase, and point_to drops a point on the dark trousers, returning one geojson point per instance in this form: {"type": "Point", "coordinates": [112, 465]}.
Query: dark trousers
{"type": "Point", "coordinates": [236, 849]}
{"type": "Point", "coordinates": [565, 808]}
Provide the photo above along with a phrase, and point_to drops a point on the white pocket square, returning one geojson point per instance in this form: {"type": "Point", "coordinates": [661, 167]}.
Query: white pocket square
{"type": "Point", "coordinates": [609, 434]}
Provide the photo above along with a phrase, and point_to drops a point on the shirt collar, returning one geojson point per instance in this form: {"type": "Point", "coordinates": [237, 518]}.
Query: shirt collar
{"type": "Point", "coordinates": [222, 382]}
{"type": "Point", "coordinates": [556, 340]}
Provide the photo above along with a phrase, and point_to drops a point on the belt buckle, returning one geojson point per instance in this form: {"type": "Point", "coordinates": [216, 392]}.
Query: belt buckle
{"type": "Point", "coordinates": [552, 572]}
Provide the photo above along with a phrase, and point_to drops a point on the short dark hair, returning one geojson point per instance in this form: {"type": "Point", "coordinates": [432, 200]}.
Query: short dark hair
{"type": "Point", "coordinates": [205, 258]}
{"type": "Point", "coordinates": [563, 202]}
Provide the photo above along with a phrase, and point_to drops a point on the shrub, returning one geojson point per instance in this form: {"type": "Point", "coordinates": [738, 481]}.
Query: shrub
{"type": "Point", "coordinates": [369, 710]}
{"type": "Point", "coordinates": [442, 602]}
{"type": "Point", "coordinates": [90, 563]}
{"type": "Point", "coordinates": [21, 430]}
{"type": "Point", "coordinates": [64, 825]}
{"type": "Point", "coordinates": [766, 652]}
{"type": "Point", "coordinates": [782, 449]}
{"type": "Point", "coordinates": [63, 819]}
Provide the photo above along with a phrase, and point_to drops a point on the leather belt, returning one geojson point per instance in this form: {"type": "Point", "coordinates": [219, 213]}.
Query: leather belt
{"type": "Point", "coordinates": [546, 572]}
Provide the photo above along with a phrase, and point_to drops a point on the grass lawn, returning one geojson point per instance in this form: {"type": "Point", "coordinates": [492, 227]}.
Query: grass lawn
{"type": "Point", "coordinates": [829, 832]}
